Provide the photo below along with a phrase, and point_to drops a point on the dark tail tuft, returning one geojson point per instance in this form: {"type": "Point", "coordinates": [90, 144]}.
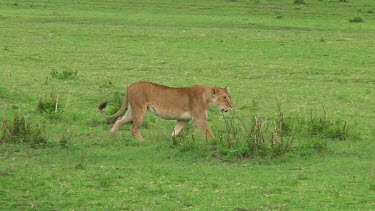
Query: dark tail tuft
{"type": "Point", "coordinates": [102, 106]}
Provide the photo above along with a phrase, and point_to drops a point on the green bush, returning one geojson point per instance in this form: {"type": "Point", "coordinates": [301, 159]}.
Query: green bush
{"type": "Point", "coordinates": [106, 84]}
{"type": "Point", "coordinates": [65, 138]}
{"type": "Point", "coordinates": [299, 1]}
{"type": "Point", "coordinates": [258, 138]}
{"type": "Point", "coordinates": [50, 107]}
{"type": "Point", "coordinates": [270, 137]}
{"type": "Point", "coordinates": [21, 130]}
{"type": "Point", "coordinates": [322, 127]}
{"type": "Point", "coordinates": [64, 75]}
{"type": "Point", "coordinates": [356, 20]}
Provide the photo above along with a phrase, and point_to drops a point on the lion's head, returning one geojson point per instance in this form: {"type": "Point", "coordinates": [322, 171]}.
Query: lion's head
{"type": "Point", "coordinates": [221, 98]}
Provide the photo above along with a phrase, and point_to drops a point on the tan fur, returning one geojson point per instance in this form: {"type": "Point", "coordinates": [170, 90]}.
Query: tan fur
{"type": "Point", "coordinates": [181, 104]}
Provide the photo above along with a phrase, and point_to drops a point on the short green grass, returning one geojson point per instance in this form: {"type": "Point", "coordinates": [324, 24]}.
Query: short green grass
{"type": "Point", "coordinates": [274, 55]}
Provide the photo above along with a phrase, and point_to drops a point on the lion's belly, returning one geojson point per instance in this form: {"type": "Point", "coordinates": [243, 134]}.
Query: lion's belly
{"type": "Point", "coordinates": [170, 115]}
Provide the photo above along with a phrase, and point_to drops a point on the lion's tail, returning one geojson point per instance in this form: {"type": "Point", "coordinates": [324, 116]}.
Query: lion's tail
{"type": "Point", "coordinates": [122, 109]}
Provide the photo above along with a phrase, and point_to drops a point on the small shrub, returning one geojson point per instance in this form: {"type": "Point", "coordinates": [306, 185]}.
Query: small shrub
{"type": "Point", "coordinates": [317, 126]}
{"type": "Point", "coordinates": [254, 106]}
{"type": "Point", "coordinates": [185, 144]}
{"type": "Point", "coordinates": [319, 145]}
{"type": "Point", "coordinates": [64, 75]}
{"type": "Point", "coordinates": [268, 138]}
{"type": "Point", "coordinates": [105, 84]}
{"type": "Point", "coordinates": [82, 160]}
{"type": "Point", "coordinates": [20, 130]}
{"type": "Point", "coordinates": [325, 128]}
{"type": "Point", "coordinates": [50, 107]}
{"type": "Point", "coordinates": [6, 48]}
{"type": "Point", "coordinates": [278, 15]}
{"type": "Point", "coordinates": [66, 136]}
{"type": "Point", "coordinates": [356, 20]}
{"type": "Point", "coordinates": [299, 1]}
{"type": "Point", "coordinates": [372, 187]}
{"type": "Point", "coordinates": [255, 138]}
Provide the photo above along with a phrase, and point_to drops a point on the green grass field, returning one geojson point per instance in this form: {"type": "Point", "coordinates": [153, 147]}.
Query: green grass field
{"type": "Point", "coordinates": [311, 60]}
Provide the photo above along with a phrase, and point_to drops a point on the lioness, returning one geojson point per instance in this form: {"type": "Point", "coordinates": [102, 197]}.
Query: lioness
{"type": "Point", "coordinates": [181, 104]}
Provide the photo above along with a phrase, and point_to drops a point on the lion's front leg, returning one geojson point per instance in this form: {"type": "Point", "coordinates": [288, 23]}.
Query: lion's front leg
{"type": "Point", "coordinates": [202, 125]}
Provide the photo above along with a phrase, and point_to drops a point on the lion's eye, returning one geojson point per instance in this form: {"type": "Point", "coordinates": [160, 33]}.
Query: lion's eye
{"type": "Point", "coordinates": [225, 97]}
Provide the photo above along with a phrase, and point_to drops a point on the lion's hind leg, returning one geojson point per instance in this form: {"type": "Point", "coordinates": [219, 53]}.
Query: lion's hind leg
{"type": "Point", "coordinates": [128, 117]}
{"type": "Point", "coordinates": [180, 124]}
{"type": "Point", "coordinates": [138, 116]}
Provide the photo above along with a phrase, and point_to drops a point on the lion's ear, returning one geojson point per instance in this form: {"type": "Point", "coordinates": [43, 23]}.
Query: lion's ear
{"type": "Point", "coordinates": [214, 90]}
{"type": "Point", "coordinates": [227, 89]}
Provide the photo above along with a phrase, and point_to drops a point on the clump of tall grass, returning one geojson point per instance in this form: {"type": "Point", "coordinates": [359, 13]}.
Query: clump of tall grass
{"type": "Point", "coordinates": [323, 127]}
{"type": "Point", "coordinates": [299, 1]}
{"type": "Point", "coordinates": [106, 84]}
{"type": "Point", "coordinates": [275, 137]}
{"type": "Point", "coordinates": [256, 137]}
{"type": "Point", "coordinates": [22, 130]}
{"type": "Point", "coordinates": [65, 74]}
{"type": "Point", "coordinates": [65, 138]}
{"type": "Point", "coordinates": [50, 107]}
{"type": "Point", "coordinates": [266, 137]}
{"type": "Point", "coordinates": [356, 20]}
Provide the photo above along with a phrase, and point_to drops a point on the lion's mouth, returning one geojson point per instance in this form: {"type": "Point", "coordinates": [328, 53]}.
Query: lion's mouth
{"type": "Point", "coordinates": [224, 110]}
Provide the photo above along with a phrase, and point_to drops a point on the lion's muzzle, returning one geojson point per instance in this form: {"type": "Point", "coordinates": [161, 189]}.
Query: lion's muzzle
{"type": "Point", "coordinates": [225, 110]}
